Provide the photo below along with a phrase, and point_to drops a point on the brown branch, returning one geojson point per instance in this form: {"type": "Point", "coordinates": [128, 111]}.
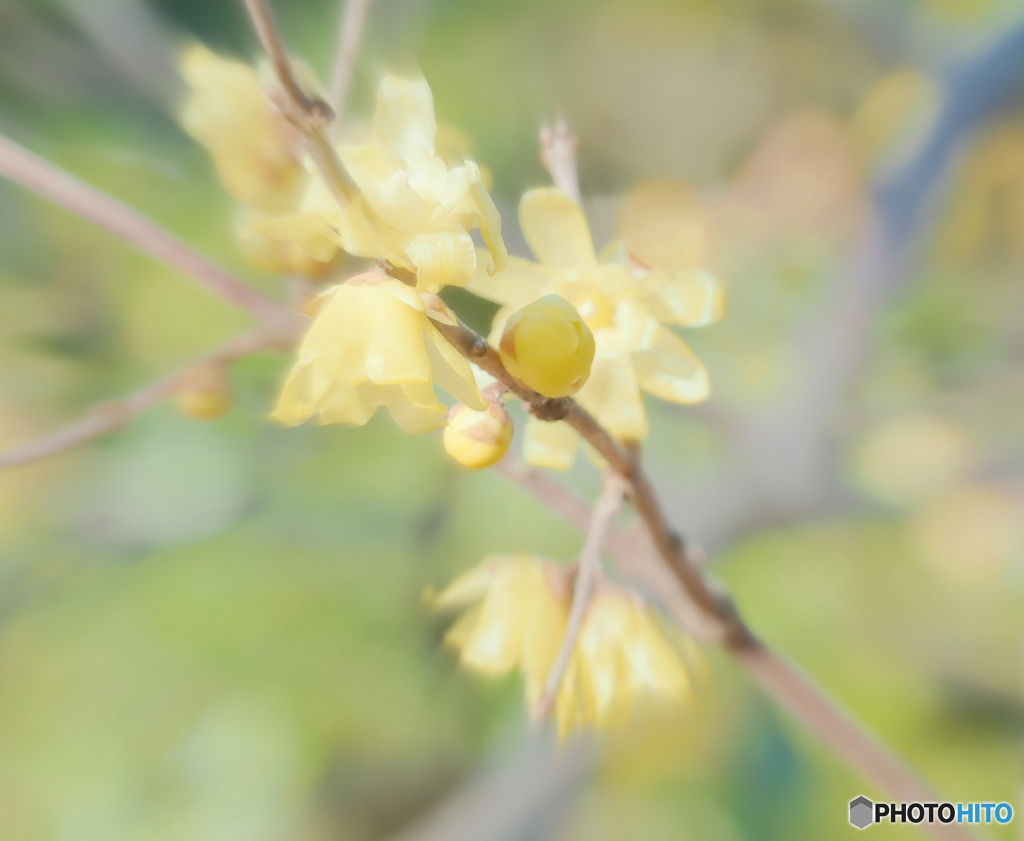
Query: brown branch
{"type": "Point", "coordinates": [350, 38]}
{"type": "Point", "coordinates": [778, 677]}
{"type": "Point", "coordinates": [718, 607]}
{"type": "Point", "coordinates": [558, 154]}
{"type": "Point", "coordinates": [49, 181]}
{"type": "Point", "coordinates": [692, 589]}
{"type": "Point", "coordinates": [310, 116]}
{"type": "Point", "coordinates": [605, 509]}
{"type": "Point", "coordinates": [110, 416]}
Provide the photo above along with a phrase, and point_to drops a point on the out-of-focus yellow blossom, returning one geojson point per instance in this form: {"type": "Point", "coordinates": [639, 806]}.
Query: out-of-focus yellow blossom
{"type": "Point", "coordinates": [518, 607]}
{"type": "Point", "coordinates": [666, 225]}
{"type": "Point", "coordinates": [909, 459]}
{"type": "Point", "coordinates": [275, 256]}
{"type": "Point", "coordinates": [548, 346]}
{"type": "Point", "coordinates": [411, 210]}
{"type": "Point", "coordinates": [621, 661]}
{"type": "Point", "coordinates": [255, 151]}
{"type": "Point", "coordinates": [635, 352]}
{"type": "Point", "coordinates": [372, 344]}
{"type": "Point", "coordinates": [205, 392]}
{"type": "Point", "coordinates": [970, 534]}
{"type": "Point", "coordinates": [477, 439]}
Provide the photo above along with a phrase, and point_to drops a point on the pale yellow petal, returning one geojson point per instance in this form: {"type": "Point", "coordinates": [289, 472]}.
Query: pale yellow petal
{"type": "Point", "coordinates": [347, 403]}
{"type": "Point", "coordinates": [496, 644]}
{"type": "Point", "coordinates": [521, 282]}
{"type": "Point", "coordinates": [413, 411]}
{"type": "Point", "coordinates": [551, 444]}
{"type": "Point", "coordinates": [300, 393]}
{"type": "Point", "coordinates": [385, 186]}
{"type": "Point", "coordinates": [555, 228]}
{"type": "Point", "coordinates": [689, 298]}
{"type": "Point", "coordinates": [612, 395]}
{"type": "Point", "coordinates": [443, 257]}
{"type": "Point", "coordinates": [451, 370]}
{"type": "Point", "coordinates": [670, 370]}
{"type": "Point", "coordinates": [467, 588]}
{"type": "Point", "coordinates": [461, 632]}
{"type": "Point", "coordinates": [405, 121]}
{"type": "Point", "coordinates": [363, 234]}
{"type": "Point", "coordinates": [652, 664]}
{"type": "Point", "coordinates": [479, 206]}
{"type": "Point", "coordinates": [546, 619]}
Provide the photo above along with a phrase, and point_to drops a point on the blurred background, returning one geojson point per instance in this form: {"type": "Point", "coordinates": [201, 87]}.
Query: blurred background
{"type": "Point", "coordinates": [214, 630]}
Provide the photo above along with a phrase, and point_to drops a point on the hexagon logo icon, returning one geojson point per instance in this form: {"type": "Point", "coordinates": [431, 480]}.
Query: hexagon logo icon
{"type": "Point", "coordinates": [862, 812]}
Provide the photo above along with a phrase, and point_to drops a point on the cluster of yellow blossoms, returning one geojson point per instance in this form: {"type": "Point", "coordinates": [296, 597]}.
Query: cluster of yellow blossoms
{"type": "Point", "coordinates": [596, 326]}
{"type": "Point", "coordinates": [516, 611]}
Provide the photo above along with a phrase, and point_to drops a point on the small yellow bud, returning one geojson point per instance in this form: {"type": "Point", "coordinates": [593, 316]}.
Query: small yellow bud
{"type": "Point", "coordinates": [205, 393]}
{"type": "Point", "coordinates": [548, 346]}
{"type": "Point", "coordinates": [477, 439]}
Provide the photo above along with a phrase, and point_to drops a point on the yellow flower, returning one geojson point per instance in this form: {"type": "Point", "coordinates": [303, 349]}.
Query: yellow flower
{"type": "Point", "coordinates": [635, 352]}
{"type": "Point", "coordinates": [517, 611]}
{"type": "Point", "coordinates": [411, 210]}
{"type": "Point", "coordinates": [621, 661]}
{"type": "Point", "coordinates": [255, 151]}
{"type": "Point", "coordinates": [477, 439]}
{"type": "Point", "coordinates": [371, 344]}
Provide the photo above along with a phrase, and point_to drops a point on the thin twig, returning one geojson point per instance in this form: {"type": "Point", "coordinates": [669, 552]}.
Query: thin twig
{"type": "Point", "coordinates": [310, 116]}
{"type": "Point", "coordinates": [112, 415]}
{"type": "Point", "coordinates": [350, 39]}
{"type": "Point", "coordinates": [606, 507]}
{"type": "Point", "coordinates": [51, 182]}
{"type": "Point", "coordinates": [558, 154]}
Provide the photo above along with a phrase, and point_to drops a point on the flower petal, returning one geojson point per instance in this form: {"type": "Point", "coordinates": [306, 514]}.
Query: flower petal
{"type": "Point", "coordinates": [451, 370]}
{"type": "Point", "coordinates": [669, 370]}
{"type": "Point", "coordinates": [612, 395]}
{"type": "Point", "coordinates": [689, 298]}
{"type": "Point", "coordinates": [555, 228]}
{"type": "Point", "coordinates": [405, 121]}
{"type": "Point", "coordinates": [521, 282]}
{"type": "Point", "coordinates": [551, 444]}
{"type": "Point", "coordinates": [443, 257]}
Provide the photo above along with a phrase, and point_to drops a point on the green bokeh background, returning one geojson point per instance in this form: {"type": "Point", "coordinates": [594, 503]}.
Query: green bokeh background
{"type": "Point", "coordinates": [215, 631]}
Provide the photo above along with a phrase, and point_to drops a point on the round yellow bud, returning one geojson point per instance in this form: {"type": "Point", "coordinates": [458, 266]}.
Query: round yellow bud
{"type": "Point", "coordinates": [548, 346]}
{"type": "Point", "coordinates": [477, 439]}
{"type": "Point", "coordinates": [205, 393]}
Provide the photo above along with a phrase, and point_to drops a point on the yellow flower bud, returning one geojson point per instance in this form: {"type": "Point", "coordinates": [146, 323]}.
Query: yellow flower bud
{"type": "Point", "coordinates": [477, 439]}
{"type": "Point", "coordinates": [205, 393]}
{"type": "Point", "coordinates": [548, 346]}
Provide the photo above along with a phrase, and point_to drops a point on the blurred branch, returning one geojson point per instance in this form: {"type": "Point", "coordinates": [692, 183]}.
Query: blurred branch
{"type": "Point", "coordinates": [310, 117]}
{"type": "Point", "coordinates": [605, 509]}
{"type": "Point", "coordinates": [558, 147]}
{"type": "Point", "coordinates": [350, 38]}
{"type": "Point", "coordinates": [60, 187]}
{"type": "Point", "coordinates": [778, 677]}
{"type": "Point", "coordinates": [112, 415]}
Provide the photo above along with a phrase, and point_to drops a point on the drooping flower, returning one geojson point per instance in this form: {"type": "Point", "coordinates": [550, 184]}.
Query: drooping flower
{"type": "Point", "coordinates": [257, 154]}
{"type": "Point", "coordinates": [372, 344]}
{"type": "Point", "coordinates": [410, 210]}
{"type": "Point", "coordinates": [626, 310]}
{"type": "Point", "coordinates": [621, 662]}
{"type": "Point", "coordinates": [516, 611]}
